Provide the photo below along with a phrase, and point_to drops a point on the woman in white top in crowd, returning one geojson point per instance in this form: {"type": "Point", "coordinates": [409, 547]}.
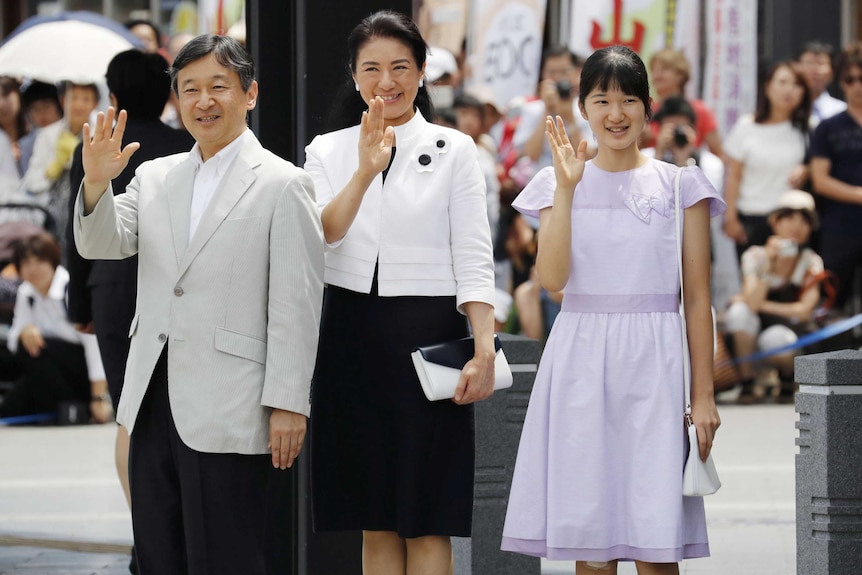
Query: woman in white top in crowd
{"type": "Point", "coordinates": [765, 155]}
{"type": "Point", "coordinates": [408, 256]}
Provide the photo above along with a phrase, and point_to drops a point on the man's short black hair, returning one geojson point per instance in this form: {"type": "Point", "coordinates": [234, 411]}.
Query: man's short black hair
{"type": "Point", "coordinates": [816, 47]}
{"type": "Point", "coordinates": [676, 106]}
{"type": "Point", "coordinates": [37, 91]}
{"type": "Point", "coordinates": [140, 83]}
{"type": "Point", "coordinates": [227, 52]}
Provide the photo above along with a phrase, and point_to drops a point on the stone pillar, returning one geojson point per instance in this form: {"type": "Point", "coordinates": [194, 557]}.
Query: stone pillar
{"type": "Point", "coordinates": [498, 431]}
{"type": "Point", "coordinates": [829, 464]}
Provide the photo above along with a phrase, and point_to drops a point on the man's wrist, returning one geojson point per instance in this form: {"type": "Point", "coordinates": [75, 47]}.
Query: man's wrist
{"type": "Point", "coordinates": [95, 187]}
{"type": "Point", "coordinates": [101, 397]}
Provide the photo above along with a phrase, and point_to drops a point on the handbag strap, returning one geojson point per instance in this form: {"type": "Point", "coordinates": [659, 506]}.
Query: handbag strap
{"type": "Point", "coordinates": [686, 359]}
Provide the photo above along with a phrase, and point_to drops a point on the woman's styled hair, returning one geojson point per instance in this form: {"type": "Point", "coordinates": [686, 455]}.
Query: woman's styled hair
{"type": "Point", "coordinates": [41, 246]}
{"type": "Point", "coordinates": [349, 104]}
{"type": "Point", "coordinates": [799, 116]}
{"type": "Point", "coordinates": [616, 66]}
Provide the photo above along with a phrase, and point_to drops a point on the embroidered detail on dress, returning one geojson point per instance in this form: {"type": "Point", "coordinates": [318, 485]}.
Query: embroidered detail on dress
{"type": "Point", "coordinates": [642, 204]}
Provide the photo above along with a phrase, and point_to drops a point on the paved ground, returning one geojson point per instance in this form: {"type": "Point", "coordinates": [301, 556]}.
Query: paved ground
{"type": "Point", "coordinates": [62, 511]}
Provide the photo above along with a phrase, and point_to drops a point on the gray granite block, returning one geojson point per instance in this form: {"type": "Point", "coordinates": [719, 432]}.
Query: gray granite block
{"type": "Point", "coordinates": [498, 432]}
{"type": "Point", "coordinates": [829, 467]}
{"type": "Point", "coordinates": [842, 367]}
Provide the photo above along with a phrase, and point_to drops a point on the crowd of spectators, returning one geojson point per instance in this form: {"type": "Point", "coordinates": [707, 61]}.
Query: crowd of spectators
{"type": "Point", "coordinates": [799, 137]}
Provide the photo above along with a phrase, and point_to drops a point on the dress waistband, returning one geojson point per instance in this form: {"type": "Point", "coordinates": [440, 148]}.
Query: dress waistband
{"type": "Point", "coordinates": [635, 303]}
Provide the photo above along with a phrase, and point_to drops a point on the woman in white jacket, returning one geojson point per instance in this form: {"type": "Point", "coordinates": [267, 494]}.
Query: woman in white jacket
{"type": "Point", "coordinates": [408, 247]}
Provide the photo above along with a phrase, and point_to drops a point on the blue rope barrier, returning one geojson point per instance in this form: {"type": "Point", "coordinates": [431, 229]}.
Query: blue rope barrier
{"type": "Point", "coordinates": [25, 419]}
{"type": "Point", "coordinates": [831, 330]}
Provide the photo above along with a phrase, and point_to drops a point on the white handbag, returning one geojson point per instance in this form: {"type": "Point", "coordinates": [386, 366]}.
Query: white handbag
{"type": "Point", "coordinates": [698, 477]}
{"type": "Point", "coordinates": [439, 367]}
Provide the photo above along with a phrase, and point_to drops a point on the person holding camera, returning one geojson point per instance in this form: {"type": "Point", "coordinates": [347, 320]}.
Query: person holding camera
{"type": "Point", "coordinates": [560, 80]}
{"type": "Point", "coordinates": [780, 290]}
{"type": "Point", "coordinates": [676, 139]}
{"type": "Point", "coordinates": [670, 71]}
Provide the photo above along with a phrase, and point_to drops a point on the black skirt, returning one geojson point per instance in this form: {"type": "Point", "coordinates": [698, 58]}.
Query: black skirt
{"type": "Point", "coordinates": [383, 457]}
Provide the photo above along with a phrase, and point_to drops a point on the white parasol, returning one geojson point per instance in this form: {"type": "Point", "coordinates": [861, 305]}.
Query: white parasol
{"type": "Point", "coordinates": [72, 46]}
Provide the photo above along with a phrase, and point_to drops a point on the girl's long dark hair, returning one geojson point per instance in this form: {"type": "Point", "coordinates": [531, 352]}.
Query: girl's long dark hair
{"type": "Point", "coordinates": [799, 116]}
{"type": "Point", "coordinates": [348, 105]}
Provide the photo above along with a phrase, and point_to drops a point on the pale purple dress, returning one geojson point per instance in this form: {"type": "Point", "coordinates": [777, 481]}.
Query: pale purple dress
{"type": "Point", "coordinates": [599, 469]}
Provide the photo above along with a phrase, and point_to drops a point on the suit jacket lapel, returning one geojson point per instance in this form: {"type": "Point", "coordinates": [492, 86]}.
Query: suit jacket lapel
{"type": "Point", "coordinates": [179, 184]}
{"type": "Point", "coordinates": [236, 182]}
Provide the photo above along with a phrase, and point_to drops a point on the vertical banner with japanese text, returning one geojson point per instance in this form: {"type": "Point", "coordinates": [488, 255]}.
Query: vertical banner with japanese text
{"type": "Point", "coordinates": [505, 46]}
{"type": "Point", "coordinates": [645, 26]}
{"type": "Point", "coordinates": [730, 86]}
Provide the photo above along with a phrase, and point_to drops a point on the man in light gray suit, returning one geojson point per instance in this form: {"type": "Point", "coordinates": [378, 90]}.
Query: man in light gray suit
{"type": "Point", "coordinates": [224, 337]}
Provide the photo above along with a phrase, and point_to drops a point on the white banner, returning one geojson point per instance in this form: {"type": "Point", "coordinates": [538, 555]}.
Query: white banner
{"type": "Point", "coordinates": [645, 26]}
{"type": "Point", "coordinates": [730, 86]}
{"type": "Point", "coordinates": [506, 46]}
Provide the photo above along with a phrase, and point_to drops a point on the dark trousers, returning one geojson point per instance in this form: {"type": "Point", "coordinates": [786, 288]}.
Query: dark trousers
{"type": "Point", "coordinates": [112, 323]}
{"type": "Point", "coordinates": [193, 513]}
{"type": "Point", "coordinates": [58, 374]}
{"type": "Point", "coordinates": [842, 255]}
{"type": "Point", "coordinates": [757, 231]}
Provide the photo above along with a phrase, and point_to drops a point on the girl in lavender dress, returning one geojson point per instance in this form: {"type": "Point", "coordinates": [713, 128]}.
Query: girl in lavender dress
{"type": "Point", "coordinates": [598, 477]}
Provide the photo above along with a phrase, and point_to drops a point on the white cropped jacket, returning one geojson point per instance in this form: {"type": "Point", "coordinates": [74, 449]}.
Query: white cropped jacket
{"type": "Point", "coordinates": [426, 228]}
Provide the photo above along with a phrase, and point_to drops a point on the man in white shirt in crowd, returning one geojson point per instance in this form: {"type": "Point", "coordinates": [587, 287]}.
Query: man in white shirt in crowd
{"type": "Point", "coordinates": [815, 62]}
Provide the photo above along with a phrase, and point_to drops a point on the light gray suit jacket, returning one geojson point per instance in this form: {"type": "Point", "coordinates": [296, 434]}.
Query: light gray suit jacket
{"type": "Point", "coordinates": [239, 306]}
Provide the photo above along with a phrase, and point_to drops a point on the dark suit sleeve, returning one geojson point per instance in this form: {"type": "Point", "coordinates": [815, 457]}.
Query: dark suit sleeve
{"type": "Point", "coordinates": [79, 269]}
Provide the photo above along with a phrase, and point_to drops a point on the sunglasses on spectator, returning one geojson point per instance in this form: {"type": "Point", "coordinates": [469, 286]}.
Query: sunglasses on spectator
{"type": "Point", "coordinates": [852, 79]}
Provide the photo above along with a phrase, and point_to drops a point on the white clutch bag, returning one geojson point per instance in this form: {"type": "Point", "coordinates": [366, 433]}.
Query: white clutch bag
{"type": "Point", "coordinates": [439, 367]}
{"type": "Point", "coordinates": [698, 477]}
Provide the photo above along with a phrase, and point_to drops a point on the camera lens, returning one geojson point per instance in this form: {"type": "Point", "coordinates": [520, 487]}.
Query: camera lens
{"type": "Point", "coordinates": [564, 89]}
{"type": "Point", "coordinates": [679, 137]}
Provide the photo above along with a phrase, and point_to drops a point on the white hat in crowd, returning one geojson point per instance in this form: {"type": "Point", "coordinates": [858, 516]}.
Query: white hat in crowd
{"type": "Point", "coordinates": [438, 63]}
{"type": "Point", "coordinates": [797, 201]}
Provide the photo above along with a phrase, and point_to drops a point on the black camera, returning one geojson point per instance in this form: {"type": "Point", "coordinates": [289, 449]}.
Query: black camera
{"type": "Point", "coordinates": [680, 139]}
{"type": "Point", "coordinates": [564, 89]}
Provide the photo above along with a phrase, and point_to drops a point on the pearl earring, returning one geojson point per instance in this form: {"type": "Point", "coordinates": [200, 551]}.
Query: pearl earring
{"type": "Point", "coordinates": [356, 85]}
{"type": "Point", "coordinates": [421, 83]}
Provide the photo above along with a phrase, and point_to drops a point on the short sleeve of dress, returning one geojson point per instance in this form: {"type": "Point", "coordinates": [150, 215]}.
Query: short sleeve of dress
{"type": "Point", "coordinates": [537, 194]}
{"type": "Point", "coordinates": [694, 187]}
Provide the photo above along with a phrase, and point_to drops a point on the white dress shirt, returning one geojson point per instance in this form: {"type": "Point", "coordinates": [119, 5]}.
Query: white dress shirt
{"type": "Point", "coordinates": [209, 176]}
{"type": "Point", "coordinates": [48, 313]}
{"type": "Point", "coordinates": [825, 106]}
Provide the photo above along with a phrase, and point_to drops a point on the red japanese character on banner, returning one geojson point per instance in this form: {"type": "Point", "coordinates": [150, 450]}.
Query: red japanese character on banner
{"type": "Point", "coordinates": [634, 43]}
